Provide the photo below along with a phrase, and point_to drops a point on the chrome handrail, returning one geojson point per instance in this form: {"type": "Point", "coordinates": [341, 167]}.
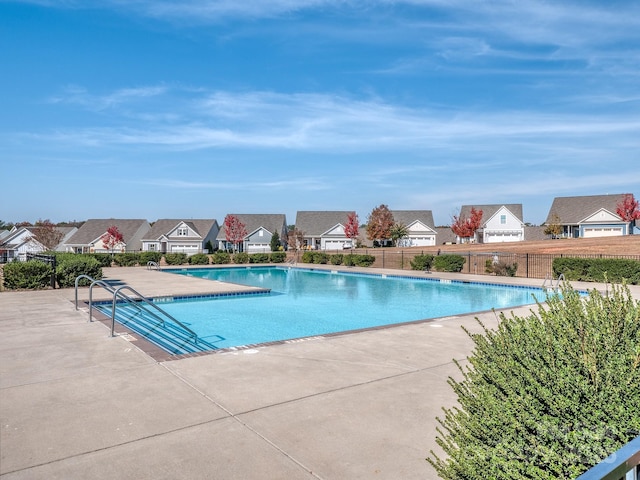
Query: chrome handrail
{"type": "Point", "coordinates": [624, 463]}
{"type": "Point", "coordinates": [151, 264]}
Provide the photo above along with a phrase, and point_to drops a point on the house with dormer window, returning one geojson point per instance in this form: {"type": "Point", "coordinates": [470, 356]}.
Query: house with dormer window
{"type": "Point", "coordinates": [180, 236]}
{"type": "Point", "coordinates": [260, 228]}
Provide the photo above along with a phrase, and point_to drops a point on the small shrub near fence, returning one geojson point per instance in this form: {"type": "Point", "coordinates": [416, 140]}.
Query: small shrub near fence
{"type": "Point", "coordinates": [32, 275]}
{"type": "Point", "coordinates": [336, 259]}
{"type": "Point", "coordinates": [175, 258]}
{"type": "Point", "coordinates": [220, 258]}
{"type": "Point", "coordinates": [278, 257]}
{"type": "Point", "coordinates": [128, 259]}
{"type": "Point", "coordinates": [422, 262]}
{"type": "Point", "coordinates": [199, 259]}
{"type": "Point", "coordinates": [448, 263]}
{"type": "Point", "coordinates": [259, 258]}
{"type": "Point", "coordinates": [598, 269]}
{"type": "Point", "coordinates": [146, 257]}
{"type": "Point", "coordinates": [70, 268]}
{"type": "Point", "coordinates": [241, 257]}
{"type": "Point", "coordinates": [500, 268]}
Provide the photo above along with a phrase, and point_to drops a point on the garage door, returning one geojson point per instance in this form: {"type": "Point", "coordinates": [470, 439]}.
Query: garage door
{"type": "Point", "coordinates": [189, 249]}
{"type": "Point", "coordinates": [333, 245]}
{"type": "Point", "coordinates": [591, 232]}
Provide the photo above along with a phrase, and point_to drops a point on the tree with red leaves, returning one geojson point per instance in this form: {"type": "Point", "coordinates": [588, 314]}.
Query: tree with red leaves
{"type": "Point", "coordinates": [112, 238]}
{"type": "Point", "coordinates": [466, 228]}
{"type": "Point", "coordinates": [379, 224]}
{"type": "Point", "coordinates": [351, 228]}
{"type": "Point", "coordinates": [235, 231]}
{"type": "Point", "coordinates": [629, 209]}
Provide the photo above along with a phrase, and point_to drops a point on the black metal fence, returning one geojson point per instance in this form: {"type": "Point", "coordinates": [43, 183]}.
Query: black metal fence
{"type": "Point", "coordinates": [529, 265]}
{"type": "Point", "coordinates": [50, 259]}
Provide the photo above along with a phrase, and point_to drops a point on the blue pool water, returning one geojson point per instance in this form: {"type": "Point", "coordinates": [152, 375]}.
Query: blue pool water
{"type": "Point", "coordinates": [305, 303]}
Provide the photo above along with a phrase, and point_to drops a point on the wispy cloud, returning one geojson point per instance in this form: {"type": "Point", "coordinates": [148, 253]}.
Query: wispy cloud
{"type": "Point", "coordinates": [77, 95]}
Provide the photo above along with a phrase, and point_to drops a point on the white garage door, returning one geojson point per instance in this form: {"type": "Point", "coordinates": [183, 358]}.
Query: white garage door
{"type": "Point", "coordinates": [333, 244]}
{"type": "Point", "coordinates": [591, 232]}
{"type": "Point", "coordinates": [189, 249]}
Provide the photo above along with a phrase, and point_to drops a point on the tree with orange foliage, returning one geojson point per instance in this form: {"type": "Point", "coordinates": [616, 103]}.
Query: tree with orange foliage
{"type": "Point", "coordinates": [466, 228]}
{"type": "Point", "coordinates": [234, 231]}
{"type": "Point", "coordinates": [351, 228]}
{"type": "Point", "coordinates": [379, 224]}
{"type": "Point", "coordinates": [629, 209]}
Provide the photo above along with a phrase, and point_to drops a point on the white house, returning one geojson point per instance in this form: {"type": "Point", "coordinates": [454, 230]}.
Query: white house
{"type": "Point", "coordinates": [500, 223]}
{"type": "Point", "coordinates": [180, 236]}
{"type": "Point", "coordinates": [323, 230]}
{"type": "Point", "coordinates": [419, 223]}
{"type": "Point", "coordinates": [16, 243]}
{"type": "Point", "coordinates": [88, 238]}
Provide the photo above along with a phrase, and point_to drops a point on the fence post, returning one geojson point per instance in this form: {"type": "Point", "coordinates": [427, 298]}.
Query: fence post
{"type": "Point", "coordinates": [382, 258]}
{"type": "Point", "coordinates": [401, 259]}
{"type": "Point", "coordinates": [527, 266]}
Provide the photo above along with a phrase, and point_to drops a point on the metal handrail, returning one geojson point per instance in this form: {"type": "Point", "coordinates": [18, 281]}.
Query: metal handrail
{"type": "Point", "coordinates": [117, 293]}
{"type": "Point", "coordinates": [624, 463]}
{"type": "Point", "coordinates": [549, 278]}
{"type": "Point", "coordinates": [151, 264]}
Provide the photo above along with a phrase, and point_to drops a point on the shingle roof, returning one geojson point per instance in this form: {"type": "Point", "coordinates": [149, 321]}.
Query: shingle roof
{"type": "Point", "coordinates": [315, 223]}
{"type": "Point", "coordinates": [273, 222]}
{"type": "Point", "coordinates": [166, 225]}
{"type": "Point", "coordinates": [489, 211]}
{"type": "Point", "coordinates": [94, 228]}
{"type": "Point", "coordinates": [407, 217]}
{"type": "Point", "coordinates": [573, 210]}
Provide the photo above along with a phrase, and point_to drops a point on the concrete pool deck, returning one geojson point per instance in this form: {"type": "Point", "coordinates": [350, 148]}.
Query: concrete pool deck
{"type": "Point", "coordinates": [78, 404]}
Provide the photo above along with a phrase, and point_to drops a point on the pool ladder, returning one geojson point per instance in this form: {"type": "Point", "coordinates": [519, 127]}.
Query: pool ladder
{"type": "Point", "coordinates": [158, 313]}
{"type": "Point", "coordinates": [552, 287]}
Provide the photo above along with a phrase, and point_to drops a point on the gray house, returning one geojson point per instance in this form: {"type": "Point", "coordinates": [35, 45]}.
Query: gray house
{"type": "Point", "coordinates": [588, 216]}
{"type": "Point", "coordinates": [88, 238]}
{"type": "Point", "coordinates": [180, 236]}
{"type": "Point", "coordinates": [323, 230]}
{"type": "Point", "coordinates": [260, 228]}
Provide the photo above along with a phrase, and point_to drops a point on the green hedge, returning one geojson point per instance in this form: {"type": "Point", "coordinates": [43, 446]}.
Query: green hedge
{"type": "Point", "coordinates": [241, 257]}
{"type": "Point", "coordinates": [358, 260]}
{"type": "Point", "coordinates": [31, 275]}
{"type": "Point", "coordinates": [278, 257]}
{"type": "Point", "coordinates": [259, 258]}
{"type": "Point", "coordinates": [70, 268]}
{"type": "Point", "coordinates": [448, 263]}
{"type": "Point", "coordinates": [598, 269]}
{"type": "Point", "coordinates": [129, 259]}
{"type": "Point", "coordinates": [220, 258]}
{"type": "Point", "coordinates": [422, 262]}
{"type": "Point", "coordinates": [146, 257]}
{"type": "Point", "coordinates": [336, 259]}
{"type": "Point", "coordinates": [199, 259]}
{"type": "Point", "coordinates": [104, 259]}
{"type": "Point", "coordinates": [175, 258]}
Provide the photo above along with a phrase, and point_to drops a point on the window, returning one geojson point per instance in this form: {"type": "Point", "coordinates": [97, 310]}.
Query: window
{"type": "Point", "coordinates": [183, 231]}
{"type": "Point", "coordinates": [152, 247]}
{"type": "Point", "coordinates": [261, 233]}
{"type": "Point", "coordinates": [503, 219]}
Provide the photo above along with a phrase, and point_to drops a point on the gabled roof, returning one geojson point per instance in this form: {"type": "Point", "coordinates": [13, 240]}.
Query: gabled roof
{"type": "Point", "coordinates": [316, 223]}
{"type": "Point", "coordinates": [573, 210]}
{"type": "Point", "coordinates": [273, 222]}
{"type": "Point", "coordinates": [407, 217]}
{"type": "Point", "coordinates": [166, 225]}
{"type": "Point", "coordinates": [489, 211]}
{"type": "Point", "coordinates": [93, 229]}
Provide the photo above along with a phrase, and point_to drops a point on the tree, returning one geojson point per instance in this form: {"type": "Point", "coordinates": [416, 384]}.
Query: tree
{"type": "Point", "coordinates": [466, 228]}
{"type": "Point", "coordinates": [47, 234]}
{"type": "Point", "coordinates": [112, 238]}
{"type": "Point", "coordinates": [275, 242]}
{"type": "Point", "coordinates": [548, 395]}
{"type": "Point", "coordinates": [352, 227]}
{"type": "Point", "coordinates": [555, 227]}
{"type": "Point", "coordinates": [295, 239]}
{"type": "Point", "coordinates": [629, 209]}
{"type": "Point", "coordinates": [235, 231]}
{"type": "Point", "coordinates": [398, 232]}
{"type": "Point", "coordinates": [379, 224]}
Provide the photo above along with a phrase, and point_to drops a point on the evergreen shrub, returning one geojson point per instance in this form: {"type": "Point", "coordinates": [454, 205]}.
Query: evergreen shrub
{"type": "Point", "coordinates": [422, 262]}
{"type": "Point", "coordinates": [241, 257]}
{"type": "Point", "coordinates": [220, 258]}
{"type": "Point", "coordinates": [336, 259]}
{"type": "Point", "coordinates": [448, 263]}
{"type": "Point", "coordinates": [149, 256]}
{"type": "Point", "coordinates": [598, 269]}
{"type": "Point", "coordinates": [127, 259]}
{"type": "Point", "coordinates": [548, 395]}
{"type": "Point", "coordinates": [176, 258]}
{"type": "Point", "coordinates": [278, 257]}
{"type": "Point", "coordinates": [199, 259]}
{"type": "Point", "coordinates": [259, 258]}
{"type": "Point", "coordinates": [31, 275]}
{"type": "Point", "coordinates": [72, 267]}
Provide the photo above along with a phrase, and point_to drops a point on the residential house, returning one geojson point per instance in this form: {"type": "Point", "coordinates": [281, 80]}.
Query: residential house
{"type": "Point", "coordinates": [419, 223]}
{"type": "Point", "coordinates": [500, 223]}
{"type": "Point", "coordinates": [88, 238]}
{"type": "Point", "coordinates": [588, 216]}
{"type": "Point", "coordinates": [180, 236]}
{"type": "Point", "coordinates": [323, 230]}
{"type": "Point", "coordinates": [260, 228]}
{"type": "Point", "coordinates": [16, 243]}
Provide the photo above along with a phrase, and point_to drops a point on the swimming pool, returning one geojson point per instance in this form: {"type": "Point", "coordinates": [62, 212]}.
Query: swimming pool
{"type": "Point", "coordinates": [306, 303]}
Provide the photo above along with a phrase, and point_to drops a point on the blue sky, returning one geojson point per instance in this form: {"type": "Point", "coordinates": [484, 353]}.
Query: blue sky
{"type": "Point", "coordinates": [195, 108]}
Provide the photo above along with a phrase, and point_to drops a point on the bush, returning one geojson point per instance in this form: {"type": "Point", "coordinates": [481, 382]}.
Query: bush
{"type": "Point", "coordinates": [126, 259]}
{"type": "Point", "coordinates": [549, 395]}
{"type": "Point", "coordinates": [336, 259]}
{"type": "Point", "coordinates": [31, 275]}
{"type": "Point", "coordinates": [307, 257]}
{"type": "Point", "coordinates": [501, 268]}
{"type": "Point", "coordinates": [448, 263]}
{"type": "Point", "coordinates": [147, 256]}
{"type": "Point", "coordinates": [422, 262]}
{"type": "Point", "coordinates": [70, 268]}
{"type": "Point", "coordinates": [259, 258]}
{"type": "Point", "coordinates": [320, 258]}
{"type": "Point", "coordinates": [220, 258]}
{"type": "Point", "coordinates": [175, 258]}
{"type": "Point", "coordinates": [199, 259]}
{"type": "Point", "coordinates": [104, 259]}
{"type": "Point", "coordinates": [598, 269]}
{"type": "Point", "coordinates": [241, 257]}
{"type": "Point", "coordinates": [278, 257]}
{"type": "Point", "coordinates": [364, 260]}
